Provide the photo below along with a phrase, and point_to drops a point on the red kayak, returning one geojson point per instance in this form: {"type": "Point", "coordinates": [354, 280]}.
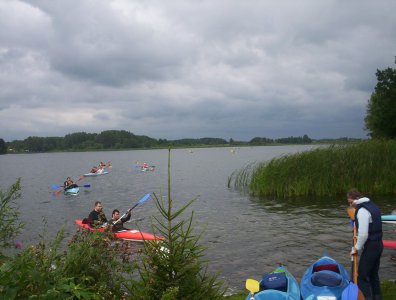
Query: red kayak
{"type": "Point", "coordinates": [389, 244]}
{"type": "Point", "coordinates": [128, 235]}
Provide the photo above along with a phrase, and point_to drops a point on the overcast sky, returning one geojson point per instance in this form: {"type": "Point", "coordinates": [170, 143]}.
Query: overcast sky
{"type": "Point", "coordinates": [191, 68]}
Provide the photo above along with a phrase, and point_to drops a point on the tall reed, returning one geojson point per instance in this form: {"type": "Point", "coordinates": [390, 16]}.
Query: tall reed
{"type": "Point", "coordinates": [369, 166]}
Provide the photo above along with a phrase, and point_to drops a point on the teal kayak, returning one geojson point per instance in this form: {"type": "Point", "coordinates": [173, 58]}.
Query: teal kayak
{"type": "Point", "coordinates": [277, 285]}
{"type": "Point", "coordinates": [324, 279]}
{"type": "Point", "coordinates": [73, 191]}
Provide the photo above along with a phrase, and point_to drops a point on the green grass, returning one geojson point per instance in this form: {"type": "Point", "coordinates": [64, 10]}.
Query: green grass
{"type": "Point", "coordinates": [368, 166]}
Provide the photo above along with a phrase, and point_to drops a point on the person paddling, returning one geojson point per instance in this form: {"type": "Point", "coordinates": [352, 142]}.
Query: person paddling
{"type": "Point", "coordinates": [69, 184]}
{"type": "Point", "coordinates": [369, 242]}
{"type": "Point", "coordinates": [117, 222]}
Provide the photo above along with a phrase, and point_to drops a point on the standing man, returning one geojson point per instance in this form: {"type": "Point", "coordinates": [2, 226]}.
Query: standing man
{"type": "Point", "coordinates": [369, 243]}
{"type": "Point", "coordinates": [97, 216]}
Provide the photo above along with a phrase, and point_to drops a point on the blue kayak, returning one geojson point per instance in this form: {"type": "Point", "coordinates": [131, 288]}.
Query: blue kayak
{"type": "Point", "coordinates": [72, 191]}
{"type": "Point", "coordinates": [388, 218]}
{"type": "Point", "coordinates": [325, 277]}
{"type": "Point", "coordinates": [277, 285]}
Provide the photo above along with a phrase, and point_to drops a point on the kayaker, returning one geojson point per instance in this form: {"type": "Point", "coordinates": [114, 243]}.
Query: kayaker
{"type": "Point", "coordinates": [369, 242]}
{"type": "Point", "coordinates": [94, 169]}
{"type": "Point", "coordinates": [69, 184]}
{"type": "Point", "coordinates": [97, 217]}
{"type": "Point", "coordinates": [117, 222]}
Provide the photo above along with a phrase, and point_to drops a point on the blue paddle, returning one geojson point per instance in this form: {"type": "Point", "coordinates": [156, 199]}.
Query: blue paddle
{"type": "Point", "coordinates": [61, 186]}
{"type": "Point", "coordinates": [142, 200]}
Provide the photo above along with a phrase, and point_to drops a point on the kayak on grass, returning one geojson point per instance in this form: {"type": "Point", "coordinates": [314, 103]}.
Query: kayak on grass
{"type": "Point", "coordinates": [324, 278]}
{"type": "Point", "coordinates": [277, 285]}
{"type": "Point", "coordinates": [72, 191]}
{"type": "Point", "coordinates": [129, 235]}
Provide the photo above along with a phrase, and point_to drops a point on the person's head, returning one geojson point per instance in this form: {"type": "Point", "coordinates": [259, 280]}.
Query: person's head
{"type": "Point", "coordinates": [98, 206]}
{"type": "Point", "coordinates": [68, 178]}
{"type": "Point", "coordinates": [115, 214]}
{"type": "Point", "coordinates": [353, 195]}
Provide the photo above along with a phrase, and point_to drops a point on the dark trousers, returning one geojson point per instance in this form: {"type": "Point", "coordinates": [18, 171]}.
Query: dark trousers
{"type": "Point", "coordinates": [369, 263]}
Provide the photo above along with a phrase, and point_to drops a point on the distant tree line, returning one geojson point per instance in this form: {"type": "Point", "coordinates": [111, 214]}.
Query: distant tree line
{"type": "Point", "coordinates": [122, 139]}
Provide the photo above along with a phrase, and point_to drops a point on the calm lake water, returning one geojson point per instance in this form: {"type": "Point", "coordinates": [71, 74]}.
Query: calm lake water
{"type": "Point", "coordinates": [245, 236]}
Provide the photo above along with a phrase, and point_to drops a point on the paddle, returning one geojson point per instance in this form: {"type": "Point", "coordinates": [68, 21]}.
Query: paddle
{"type": "Point", "coordinates": [352, 292]}
{"type": "Point", "coordinates": [253, 287]}
{"type": "Point", "coordinates": [142, 200]}
{"type": "Point", "coordinates": [351, 214]}
{"type": "Point", "coordinates": [61, 186]}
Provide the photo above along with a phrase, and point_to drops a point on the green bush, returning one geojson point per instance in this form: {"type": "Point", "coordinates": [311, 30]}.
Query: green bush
{"type": "Point", "coordinates": [9, 214]}
{"type": "Point", "coordinates": [89, 269]}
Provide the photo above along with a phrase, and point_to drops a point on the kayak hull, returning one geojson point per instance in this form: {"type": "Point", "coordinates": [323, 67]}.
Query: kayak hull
{"type": "Point", "coordinates": [325, 267]}
{"type": "Point", "coordinates": [391, 244]}
{"type": "Point", "coordinates": [292, 293]}
{"type": "Point", "coordinates": [73, 191]}
{"type": "Point", "coordinates": [129, 235]}
{"type": "Point", "coordinates": [96, 174]}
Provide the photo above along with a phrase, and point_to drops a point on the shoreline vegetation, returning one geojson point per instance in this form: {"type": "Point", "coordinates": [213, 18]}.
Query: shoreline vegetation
{"type": "Point", "coordinates": [111, 140]}
{"type": "Point", "coordinates": [325, 171]}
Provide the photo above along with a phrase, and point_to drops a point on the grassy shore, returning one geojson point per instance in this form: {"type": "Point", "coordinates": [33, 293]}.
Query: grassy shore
{"type": "Point", "coordinates": [368, 166]}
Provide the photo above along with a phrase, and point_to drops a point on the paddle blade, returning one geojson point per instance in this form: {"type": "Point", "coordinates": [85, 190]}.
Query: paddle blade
{"type": "Point", "coordinates": [86, 185]}
{"type": "Point", "coordinates": [55, 186]}
{"type": "Point", "coordinates": [252, 286]}
{"type": "Point", "coordinates": [350, 292]}
{"type": "Point", "coordinates": [144, 198]}
{"type": "Point", "coordinates": [57, 193]}
{"type": "Point", "coordinates": [351, 212]}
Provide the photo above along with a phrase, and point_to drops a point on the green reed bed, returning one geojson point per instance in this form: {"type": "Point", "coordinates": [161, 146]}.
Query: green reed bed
{"type": "Point", "coordinates": [369, 166]}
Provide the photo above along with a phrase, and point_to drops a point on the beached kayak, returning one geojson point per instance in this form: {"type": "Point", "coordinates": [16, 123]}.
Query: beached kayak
{"type": "Point", "coordinates": [72, 191]}
{"type": "Point", "coordinates": [279, 284]}
{"type": "Point", "coordinates": [388, 218]}
{"type": "Point", "coordinates": [100, 172]}
{"type": "Point", "coordinates": [324, 278]}
{"type": "Point", "coordinates": [130, 235]}
{"type": "Point", "coordinates": [389, 244]}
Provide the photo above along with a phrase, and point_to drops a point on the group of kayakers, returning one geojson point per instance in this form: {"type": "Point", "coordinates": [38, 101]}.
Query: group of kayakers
{"type": "Point", "coordinates": [97, 218]}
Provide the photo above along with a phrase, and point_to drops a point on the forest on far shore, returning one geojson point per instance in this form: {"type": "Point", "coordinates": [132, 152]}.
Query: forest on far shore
{"type": "Point", "coordinates": [122, 139]}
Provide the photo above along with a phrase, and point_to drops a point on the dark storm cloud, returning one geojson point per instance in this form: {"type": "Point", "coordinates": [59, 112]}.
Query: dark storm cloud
{"type": "Point", "coordinates": [172, 69]}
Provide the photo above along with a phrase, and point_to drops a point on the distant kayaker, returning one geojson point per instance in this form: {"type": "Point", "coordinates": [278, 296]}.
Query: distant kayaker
{"type": "Point", "coordinates": [369, 242]}
{"type": "Point", "coordinates": [117, 222]}
{"type": "Point", "coordinates": [97, 217]}
{"type": "Point", "coordinates": [69, 184]}
{"type": "Point", "coordinates": [94, 169]}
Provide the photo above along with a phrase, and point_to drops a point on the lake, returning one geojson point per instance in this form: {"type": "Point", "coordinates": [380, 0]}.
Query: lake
{"type": "Point", "coordinates": [245, 236]}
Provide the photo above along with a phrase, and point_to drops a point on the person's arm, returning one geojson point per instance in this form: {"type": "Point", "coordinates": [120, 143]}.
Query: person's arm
{"type": "Point", "coordinates": [127, 217]}
{"type": "Point", "coordinates": [363, 217]}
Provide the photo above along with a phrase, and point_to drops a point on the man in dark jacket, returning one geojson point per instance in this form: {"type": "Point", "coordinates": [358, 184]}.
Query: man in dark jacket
{"type": "Point", "coordinates": [97, 217]}
{"type": "Point", "coordinates": [369, 242]}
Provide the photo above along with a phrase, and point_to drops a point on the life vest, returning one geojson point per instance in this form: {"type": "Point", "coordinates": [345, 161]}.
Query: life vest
{"type": "Point", "coordinates": [375, 227]}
